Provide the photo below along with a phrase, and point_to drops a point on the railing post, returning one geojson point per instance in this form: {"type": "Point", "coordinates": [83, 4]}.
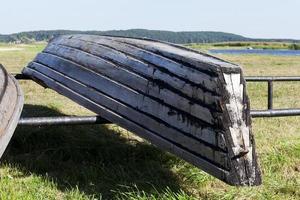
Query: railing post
{"type": "Point", "coordinates": [270, 94]}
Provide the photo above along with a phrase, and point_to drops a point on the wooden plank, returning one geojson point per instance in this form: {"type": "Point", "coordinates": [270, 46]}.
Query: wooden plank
{"type": "Point", "coordinates": [128, 96]}
{"type": "Point", "coordinates": [192, 58]}
{"type": "Point", "coordinates": [202, 80]}
{"type": "Point", "coordinates": [160, 76]}
{"type": "Point", "coordinates": [186, 140]}
{"type": "Point", "coordinates": [11, 104]}
{"type": "Point", "coordinates": [192, 104]}
{"type": "Point", "coordinates": [131, 80]}
{"type": "Point", "coordinates": [136, 82]}
{"type": "Point", "coordinates": [123, 71]}
{"type": "Point", "coordinates": [122, 121]}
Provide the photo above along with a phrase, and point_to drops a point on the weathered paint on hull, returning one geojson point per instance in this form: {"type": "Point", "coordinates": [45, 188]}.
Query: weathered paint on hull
{"type": "Point", "coordinates": [188, 103]}
{"type": "Point", "coordinates": [11, 104]}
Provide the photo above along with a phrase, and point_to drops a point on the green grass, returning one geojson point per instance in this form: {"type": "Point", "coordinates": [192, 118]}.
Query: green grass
{"type": "Point", "coordinates": [243, 45]}
{"type": "Point", "coordinates": [108, 162]}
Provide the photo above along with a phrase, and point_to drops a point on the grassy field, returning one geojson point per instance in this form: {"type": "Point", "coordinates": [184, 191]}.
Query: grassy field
{"type": "Point", "coordinates": [108, 162]}
{"type": "Point", "coordinates": [243, 45]}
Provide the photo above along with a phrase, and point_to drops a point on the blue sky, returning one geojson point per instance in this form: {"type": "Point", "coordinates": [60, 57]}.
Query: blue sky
{"type": "Point", "coordinates": [252, 18]}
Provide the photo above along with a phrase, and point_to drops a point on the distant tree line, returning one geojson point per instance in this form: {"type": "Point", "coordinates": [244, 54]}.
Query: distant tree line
{"type": "Point", "coordinates": [169, 36]}
{"type": "Point", "coordinates": [294, 46]}
{"type": "Point", "coordinates": [174, 37]}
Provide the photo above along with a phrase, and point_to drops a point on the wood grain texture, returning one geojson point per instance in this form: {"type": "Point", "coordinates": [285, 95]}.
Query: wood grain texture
{"type": "Point", "coordinates": [11, 105]}
{"type": "Point", "coordinates": [188, 103]}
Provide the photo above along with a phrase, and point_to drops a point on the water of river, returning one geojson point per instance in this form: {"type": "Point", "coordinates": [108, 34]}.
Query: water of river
{"type": "Point", "coordinates": [274, 52]}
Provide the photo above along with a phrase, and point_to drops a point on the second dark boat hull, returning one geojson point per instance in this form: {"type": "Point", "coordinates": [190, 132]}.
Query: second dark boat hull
{"type": "Point", "coordinates": [11, 105]}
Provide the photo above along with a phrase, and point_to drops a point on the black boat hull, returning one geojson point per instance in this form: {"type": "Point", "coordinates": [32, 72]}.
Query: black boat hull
{"type": "Point", "coordinates": [188, 103]}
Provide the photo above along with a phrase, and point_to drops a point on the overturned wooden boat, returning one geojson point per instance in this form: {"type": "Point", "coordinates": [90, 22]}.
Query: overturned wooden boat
{"type": "Point", "coordinates": [188, 103]}
{"type": "Point", "coordinates": [11, 105]}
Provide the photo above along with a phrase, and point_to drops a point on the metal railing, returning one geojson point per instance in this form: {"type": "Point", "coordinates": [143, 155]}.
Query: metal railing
{"type": "Point", "coordinates": [80, 120]}
{"type": "Point", "coordinates": [270, 112]}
